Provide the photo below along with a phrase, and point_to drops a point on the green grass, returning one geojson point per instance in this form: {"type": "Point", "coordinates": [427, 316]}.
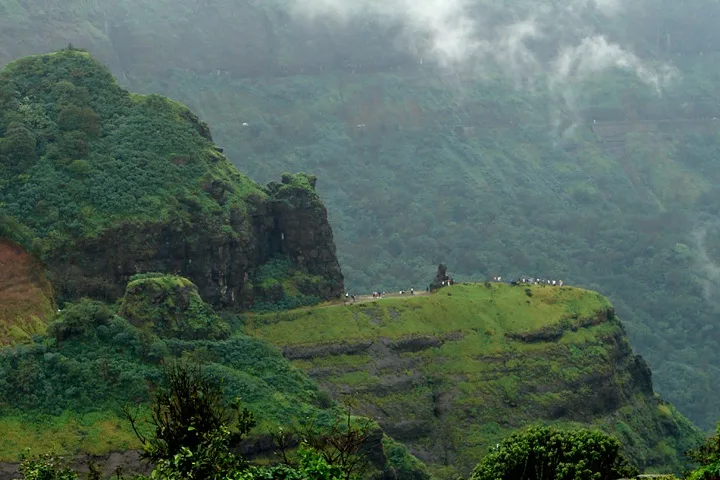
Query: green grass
{"type": "Point", "coordinates": [480, 375]}
{"type": "Point", "coordinates": [63, 393]}
{"type": "Point", "coordinates": [68, 433]}
{"type": "Point", "coordinates": [497, 310]}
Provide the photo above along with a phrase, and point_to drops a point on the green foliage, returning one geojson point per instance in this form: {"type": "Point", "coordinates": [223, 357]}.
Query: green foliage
{"type": "Point", "coordinates": [413, 188]}
{"type": "Point", "coordinates": [543, 453]}
{"type": "Point", "coordinates": [14, 230]}
{"type": "Point", "coordinates": [577, 206]}
{"type": "Point", "coordinates": [170, 306]}
{"type": "Point", "coordinates": [708, 457]}
{"type": "Point", "coordinates": [117, 365]}
{"type": "Point", "coordinates": [93, 155]}
{"type": "Point", "coordinates": [466, 366]}
{"type": "Point", "coordinates": [402, 463]}
{"type": "Point", "coordinates": [277, 282]}
{"type": "Point", "coordinates": [286, 303]}
{"type": "Point", "coordinates": [193, 429]}
{"type": "Point", "coordinates": [80, 319]}
{"type": "Point", "coordinates": [46, 467]}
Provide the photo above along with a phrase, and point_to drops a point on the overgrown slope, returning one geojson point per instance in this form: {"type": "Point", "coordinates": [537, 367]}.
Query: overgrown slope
{"type": "Point", "coordinates": [64, 392]}
{"type": "Point", "coordinates": [452, 373]}
{"type": "Point", "coordinates": [101, 184]}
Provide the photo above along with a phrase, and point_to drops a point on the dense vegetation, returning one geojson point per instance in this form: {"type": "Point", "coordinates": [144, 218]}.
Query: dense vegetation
{"type": "Point", "coordinates": [99, 184]}
{"type": "Point", "coordinates": [66, 393]}
{"type": "Point", "coordinates": [454, 372]}
{"type": "Point", "coordinates": [79, 153]}
{"type": "Point", "coordinates": [548, 454]}
{"type": "Point", "coordinates": [627, 209]}
{"type": "Point", "coordinates": [417, 169]}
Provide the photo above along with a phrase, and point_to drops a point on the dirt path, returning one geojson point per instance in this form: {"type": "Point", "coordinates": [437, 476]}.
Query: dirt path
{"type": "Point", "coordinates": [369, 298]}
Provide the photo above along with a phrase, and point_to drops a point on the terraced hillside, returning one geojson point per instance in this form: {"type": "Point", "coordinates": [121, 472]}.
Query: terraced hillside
{"type": "Point", "coordinates": [452, 373]}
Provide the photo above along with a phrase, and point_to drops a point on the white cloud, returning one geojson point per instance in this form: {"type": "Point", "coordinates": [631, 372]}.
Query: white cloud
{"type": "Point", "coordinates": [473, 33]}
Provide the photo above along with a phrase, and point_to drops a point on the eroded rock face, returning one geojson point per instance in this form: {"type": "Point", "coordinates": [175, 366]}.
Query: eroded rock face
{"type": "Point", "coordinates": [219, 256]}
{"type": "Point", "coordinates": [303, 233]}
{"type": "Point", "coordinates": [26, 296]}
{"type": "Point", "coordinates": [453, 373]}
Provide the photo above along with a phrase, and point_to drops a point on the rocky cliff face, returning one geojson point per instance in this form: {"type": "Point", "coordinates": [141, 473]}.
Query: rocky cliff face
{"type": "Point", "coordinates": [103, 185]}
{"type": "Point", "coordinates": [26, 296]}
{"type": "Point", "coordinates": [452, 373]}
{"type": "Point", "coordinates": [291, 221]}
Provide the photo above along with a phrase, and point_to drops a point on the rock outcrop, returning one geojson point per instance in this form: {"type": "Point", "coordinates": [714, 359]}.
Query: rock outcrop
{"type": "Point", "coordinates": [103, 184]}
{"type": "Point", "coordinates": [291, 221]}
{"type": "Point", "coordinates": [170, 306]}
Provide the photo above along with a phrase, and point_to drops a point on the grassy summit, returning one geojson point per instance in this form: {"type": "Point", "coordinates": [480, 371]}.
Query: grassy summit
{"type": "Point", "coordinates": [452, 373]}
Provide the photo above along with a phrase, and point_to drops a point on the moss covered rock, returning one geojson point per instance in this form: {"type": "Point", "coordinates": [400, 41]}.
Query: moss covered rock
{"type": "Point", "coordinates": [170, 306]}
{"type": "Point", "coordinates": [103, 184]}
{"type": "Point", "coordinates": [452, 373]}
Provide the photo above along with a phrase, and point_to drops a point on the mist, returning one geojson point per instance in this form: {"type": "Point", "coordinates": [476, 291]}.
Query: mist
{"type": "Point", "coordinates": [538, 46]}
{"type": "Point", "coordinates": [707, 271]}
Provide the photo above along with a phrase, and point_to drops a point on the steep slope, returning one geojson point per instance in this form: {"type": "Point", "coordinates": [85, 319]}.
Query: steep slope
{"type": "Point", "coordinates": [64, 393]}
{"type": "Point", "coordinates": [26, 303]}
{"type": "Point", "coordinates": [102, 184]}
{"type": "Point", "coordinates": [452, 373]}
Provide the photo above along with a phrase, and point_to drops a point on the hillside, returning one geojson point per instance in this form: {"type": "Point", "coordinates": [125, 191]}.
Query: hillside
{"type": "Point", "coordinates": [26, 297]}
{"type": "Point", "coordinates": [454, 167]}
{"type": "Point", "coordinates": [100, 184]}
{"type": "Point", "coordinates": [64, 392]}
{"type": "Point", "coordinates": [453, 373]}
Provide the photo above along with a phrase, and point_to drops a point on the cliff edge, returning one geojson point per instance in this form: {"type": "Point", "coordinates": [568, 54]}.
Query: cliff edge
{"type": "Point", "coordinates": [102, 184]}
{"type": "Point", "coordinates": [452, 373]}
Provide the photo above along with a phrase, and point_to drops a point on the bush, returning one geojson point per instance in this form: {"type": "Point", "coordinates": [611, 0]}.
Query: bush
{"type": "Point", "coordinates": [544, 453]}
{"type": "Point", "coordinates": [80, 319]}
{"type": "Point", "coordinates": [46, 467]}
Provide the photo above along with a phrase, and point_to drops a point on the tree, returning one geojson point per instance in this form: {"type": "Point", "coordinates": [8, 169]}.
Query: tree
{"type": "Point", "coordinates": [345, 445]}
{"type": "Point", "coordinates": [18, 147]}
{"type": "Point", "coordinates": [193, 427]}
{"type": "Point", "coordinates": [708, 456]}
{"type": "Point", "coordinates": [545, 453]}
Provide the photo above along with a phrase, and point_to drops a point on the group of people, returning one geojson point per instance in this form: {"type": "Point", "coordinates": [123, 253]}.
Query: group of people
{"type": "Point", "coordinates": [531, 281]}
{"type": "Point", "coordinates": [351, 298]}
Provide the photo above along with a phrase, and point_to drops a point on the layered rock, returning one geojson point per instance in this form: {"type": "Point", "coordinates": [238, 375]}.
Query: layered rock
{"type": "Point", "coordinates": [452, 373]}
{"type": "Point", "coordinates": [291, 221]}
